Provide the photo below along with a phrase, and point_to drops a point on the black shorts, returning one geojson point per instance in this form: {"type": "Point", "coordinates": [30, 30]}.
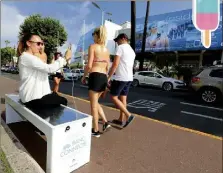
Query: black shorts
{"type": "Point", "coordinates": [120, 88]}
{"type": "Point", "coordinates": [58, 75]}
{"type": "Point", "coordinates": [97, 82]}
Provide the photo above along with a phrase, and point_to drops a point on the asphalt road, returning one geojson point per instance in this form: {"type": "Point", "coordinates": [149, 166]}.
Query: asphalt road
{"type": "Point", "coordinates": [179, 107]}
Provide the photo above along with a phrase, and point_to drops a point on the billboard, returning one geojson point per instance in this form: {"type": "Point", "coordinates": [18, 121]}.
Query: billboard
{"type": "Point", "coordinates": [174, 32]}
{"type": "Point", "coordinates": [83, 44]}
{"type": "Point", "coordinates": [86, 40]}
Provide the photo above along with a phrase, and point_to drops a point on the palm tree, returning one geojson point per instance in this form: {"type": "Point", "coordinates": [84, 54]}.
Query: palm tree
{"type": "Point", "coordinates": [144, 35]}
{"type": "Point", "coordinates": [7, 42]}
{"type": "Point", "coordinates": [145, 27]}
{"type": "Point", "coordinates": [133, 23]}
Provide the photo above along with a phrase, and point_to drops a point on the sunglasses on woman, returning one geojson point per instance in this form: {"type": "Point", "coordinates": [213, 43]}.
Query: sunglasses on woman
{"type": "Point", "coordinates": [95, 33]}
{"type": "Point", "coordinates": [38, 43]}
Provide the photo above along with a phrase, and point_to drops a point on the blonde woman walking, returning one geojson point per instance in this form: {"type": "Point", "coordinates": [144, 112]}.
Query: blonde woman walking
{"type": "Point", "coordinates": [97, 66]}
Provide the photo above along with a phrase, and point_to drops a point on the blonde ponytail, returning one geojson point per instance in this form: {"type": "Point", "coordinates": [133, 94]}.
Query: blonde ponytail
{"type": "Point", "coordinates": [101, 32]}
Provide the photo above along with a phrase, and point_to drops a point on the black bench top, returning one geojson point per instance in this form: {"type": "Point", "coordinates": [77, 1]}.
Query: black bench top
{"type": "Point", "coordinates": [55, 116]}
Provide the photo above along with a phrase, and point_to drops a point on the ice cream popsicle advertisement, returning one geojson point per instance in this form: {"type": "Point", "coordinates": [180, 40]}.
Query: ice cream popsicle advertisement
{"type": "Point", "coordinates": [206, 18]}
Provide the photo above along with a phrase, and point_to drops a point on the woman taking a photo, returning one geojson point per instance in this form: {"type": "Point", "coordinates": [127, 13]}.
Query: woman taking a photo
{"type": "Point", "coordinates": [97, 66]}
{"type": "Point", "coordinates": [58, 75]}
{"type": "Point", "coordinates": [34, 90]}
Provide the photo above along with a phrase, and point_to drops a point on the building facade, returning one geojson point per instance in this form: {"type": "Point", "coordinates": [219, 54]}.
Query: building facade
{"type": "Point", "coordinates": [113, 29]}
{"type": "Point", "coordinates": [174, 34]}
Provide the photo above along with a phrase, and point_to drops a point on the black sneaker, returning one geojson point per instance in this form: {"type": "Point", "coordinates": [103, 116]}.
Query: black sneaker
{"type": "Point", "coordinates": [95, 134]}
{"type": "Point", "coordinates": [130, 119]}
{"type": "Point", "coordinates": [118, 122]}
{"type": "Point", "coordinates": [106, 126]}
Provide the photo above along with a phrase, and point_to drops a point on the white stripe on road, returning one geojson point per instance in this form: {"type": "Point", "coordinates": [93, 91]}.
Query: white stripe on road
{"type": "Point", "coordinates": [202, 106]}
{"type": "Point", "coordinates": [83, 86]}
{"type": "Point", "coordinates": [200, 115]}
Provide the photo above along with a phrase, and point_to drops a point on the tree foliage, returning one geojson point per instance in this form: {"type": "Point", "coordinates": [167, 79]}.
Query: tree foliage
{"type": "Point", "coordinates": [48, 29]}
{"type": "Point", "coordinates": [76, 65]}
{"type": "Point", "coordinates": [6, 55]}
{"type": "Point", "coordinates": [7, 42]}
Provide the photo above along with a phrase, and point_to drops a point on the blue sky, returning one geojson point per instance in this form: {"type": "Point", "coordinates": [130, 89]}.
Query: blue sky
{"type": "Point", "coordinates": [71, 14]}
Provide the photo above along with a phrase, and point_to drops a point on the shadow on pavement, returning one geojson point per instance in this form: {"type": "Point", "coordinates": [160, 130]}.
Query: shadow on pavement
{"type": "Point", "coordinates": [35, 144]}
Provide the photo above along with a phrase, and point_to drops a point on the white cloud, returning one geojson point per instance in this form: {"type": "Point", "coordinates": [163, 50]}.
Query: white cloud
{"type": "Point", "coordinates": [88, 27]}
{"type": "Point", "coordinates": [11, 19]}
{"type": "Point", "coordinates": [74, 25]}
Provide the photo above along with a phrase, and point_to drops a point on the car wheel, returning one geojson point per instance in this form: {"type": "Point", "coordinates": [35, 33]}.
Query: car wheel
{"type": "Point", "coordinates": [209, 95]}
{"type": "Point", "coordinates": [135, 83]}
{"type": "Point", "coordinates": [167, 86]}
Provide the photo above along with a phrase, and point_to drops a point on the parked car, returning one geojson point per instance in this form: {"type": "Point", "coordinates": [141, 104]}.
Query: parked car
{"type": "Point", "coordinates": [14, 70]}
{"type": "Point", "coordinates": [69, 75]}
{"type": "Point", "coordinates": [156, 79]}
{"type": "Point", "coordinates": [10, 69]}
{"type": "Point", "coordinates": [4, 68]}
{"type": "Point", "coordinates": [208, 84]}
{"type": "Point", "coordinates": [78, 72]}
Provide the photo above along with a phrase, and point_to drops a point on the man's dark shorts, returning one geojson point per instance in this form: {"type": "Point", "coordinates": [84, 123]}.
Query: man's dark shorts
{"type": "Point", "coordinates": [120, 88]}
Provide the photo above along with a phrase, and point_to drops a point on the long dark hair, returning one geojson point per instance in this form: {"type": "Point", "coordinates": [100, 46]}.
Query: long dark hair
{"type": "Point", "coordinates": [22, 46]}
{"type": "Point", "coordinates": [56, 55]}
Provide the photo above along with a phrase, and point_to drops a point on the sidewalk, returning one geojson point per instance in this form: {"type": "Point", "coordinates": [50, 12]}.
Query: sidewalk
{"type": "Point", "coordinates": [144, 147]}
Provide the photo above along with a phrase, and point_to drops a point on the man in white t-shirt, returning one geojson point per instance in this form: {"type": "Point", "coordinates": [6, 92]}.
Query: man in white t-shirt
{"type": "Point", "coordinates": [123, 69]}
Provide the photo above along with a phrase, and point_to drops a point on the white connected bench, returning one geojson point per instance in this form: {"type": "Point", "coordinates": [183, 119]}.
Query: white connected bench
{"type": "Point", "coordinates": [67, 130]}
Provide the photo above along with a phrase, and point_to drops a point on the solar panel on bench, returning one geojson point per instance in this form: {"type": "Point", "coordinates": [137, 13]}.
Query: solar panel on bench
{"type": "Point", "coordinates": [56, 116]}
{"type": "Point", "coordinates": [60, 115]}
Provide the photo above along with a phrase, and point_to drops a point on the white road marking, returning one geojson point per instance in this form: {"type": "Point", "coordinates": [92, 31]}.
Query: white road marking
{"type": "Point", "coordinates": [200, 115]}
{"type": "Point", "coordinates": [83, 86]}
{"type": "Point", "coordinates": [152, 106]}
{"type": "Point", "coordinates": [202, 106]}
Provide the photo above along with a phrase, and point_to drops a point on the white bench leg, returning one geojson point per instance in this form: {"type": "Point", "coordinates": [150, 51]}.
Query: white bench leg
{"type": "Point", "coordinates": [67, 151]}
{"type": "Point", "coordinates": [51, 161]}
{"type": "Point", "coordinates": [11, 115]}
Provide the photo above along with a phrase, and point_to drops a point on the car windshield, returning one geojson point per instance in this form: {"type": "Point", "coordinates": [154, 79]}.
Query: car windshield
{"type": "Point", "coordinates": [82, 71]}
{"type": "Point", "coordinates": [67, 70]}
{"type": "Point", "coordinates": [163, 74]}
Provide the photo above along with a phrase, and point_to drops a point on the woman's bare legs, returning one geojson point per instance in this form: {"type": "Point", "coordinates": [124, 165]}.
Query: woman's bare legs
{"type": "Point", "coordinates": [102, 114]}
{"type": "Point", "coordinates": [56, 84]}
{"type": "Point", "coordinates": [94, 108]}
{"type": "Point", "coordinates": [101, 111]}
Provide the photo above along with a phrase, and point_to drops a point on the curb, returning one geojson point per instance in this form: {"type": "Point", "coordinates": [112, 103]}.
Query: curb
{"type": "Point", "coordinates": [17, 156]}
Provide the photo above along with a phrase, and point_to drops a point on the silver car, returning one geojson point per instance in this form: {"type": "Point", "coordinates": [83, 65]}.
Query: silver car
{"type": "Point", "coordinates": [68, 75]}
{"type": "Point", "coordinates": [208, 84]}
{"type": "Point", "coordinates": [157, 80]}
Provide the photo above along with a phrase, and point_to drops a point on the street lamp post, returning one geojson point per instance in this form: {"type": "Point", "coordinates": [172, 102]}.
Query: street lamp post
{"type": "Point", "coordinates": [102, 12]}
{"type": "Point", "coordinates": [83, 49]}
{"type": "Point", "coordinates": [102, 17]}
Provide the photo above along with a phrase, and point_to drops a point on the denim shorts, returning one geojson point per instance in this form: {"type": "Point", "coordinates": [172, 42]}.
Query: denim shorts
{"type": "Point", "coordinates": [120, 88]}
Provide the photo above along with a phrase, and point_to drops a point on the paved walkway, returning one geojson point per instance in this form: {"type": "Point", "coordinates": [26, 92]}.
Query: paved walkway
{"type": "Point", "coordinates": [145, 146]}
